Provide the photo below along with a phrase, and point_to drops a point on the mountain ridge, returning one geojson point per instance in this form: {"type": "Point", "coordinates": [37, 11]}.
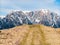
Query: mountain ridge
{"type": "Point", "coordinates": [45, 17]}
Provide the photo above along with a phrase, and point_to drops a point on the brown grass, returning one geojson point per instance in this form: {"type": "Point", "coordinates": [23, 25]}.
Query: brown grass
{"type": "Point", "coordinates": [30, 35]}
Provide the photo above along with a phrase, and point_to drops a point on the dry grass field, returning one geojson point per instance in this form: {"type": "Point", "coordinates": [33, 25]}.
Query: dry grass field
{"type": "Point", "coordinates": [30, 35]}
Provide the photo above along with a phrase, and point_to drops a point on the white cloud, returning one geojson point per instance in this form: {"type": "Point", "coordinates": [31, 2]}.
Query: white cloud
{"type": "Point", "coordinates": [57, 11]}
{"type": "Point", "coordinates": [9, 5]}
{"type": "Point", "coordinates": [49, 1]}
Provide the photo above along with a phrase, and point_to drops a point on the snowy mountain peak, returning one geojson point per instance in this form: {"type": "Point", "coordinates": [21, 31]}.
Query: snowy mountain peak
{"type": "Point", "coordinates": [26, 11]}
{"type": "Point", "coordinates": [44, 10]}
{"type": "Point", "coordinates": [42, 16]}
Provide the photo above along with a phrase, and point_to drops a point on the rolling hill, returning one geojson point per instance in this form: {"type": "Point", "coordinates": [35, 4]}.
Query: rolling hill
{"type": "Point", "coordinates": [30, 35]}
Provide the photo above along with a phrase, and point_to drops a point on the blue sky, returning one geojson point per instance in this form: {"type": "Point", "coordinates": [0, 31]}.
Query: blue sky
{"type": "Point", "coordinates": [7, 6]}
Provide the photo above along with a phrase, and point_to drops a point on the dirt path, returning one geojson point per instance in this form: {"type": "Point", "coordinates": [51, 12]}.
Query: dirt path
{"type": "Point", "coordinates": [35, 36]}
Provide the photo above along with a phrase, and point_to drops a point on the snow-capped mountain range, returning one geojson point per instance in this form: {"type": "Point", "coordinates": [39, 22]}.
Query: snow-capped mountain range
{"type": "Point", "coordinates": [43, 16]}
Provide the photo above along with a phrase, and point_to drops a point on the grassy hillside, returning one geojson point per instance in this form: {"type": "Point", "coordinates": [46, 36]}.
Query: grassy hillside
{"type": "Point", "coordinates": [30, 35]}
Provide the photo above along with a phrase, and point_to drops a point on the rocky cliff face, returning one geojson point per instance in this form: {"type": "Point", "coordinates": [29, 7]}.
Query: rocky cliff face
{"type": "Point", "coordinates": [42, 16]}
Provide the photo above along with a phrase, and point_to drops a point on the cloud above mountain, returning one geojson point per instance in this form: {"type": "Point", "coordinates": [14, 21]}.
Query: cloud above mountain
{"type": "Point", "coordinates": [8, 5]}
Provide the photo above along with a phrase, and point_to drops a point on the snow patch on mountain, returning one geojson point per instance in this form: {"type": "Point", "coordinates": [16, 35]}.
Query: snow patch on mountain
{"type": "Point", "coordinates": [2, 16]}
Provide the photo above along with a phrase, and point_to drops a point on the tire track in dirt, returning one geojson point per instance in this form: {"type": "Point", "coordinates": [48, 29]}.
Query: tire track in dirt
{"type": "Point", "coordinates": [43, 39]}
{"type": "Point", "coordinates": [38, 36]}
{"type": "Point", "coordinates": [24, 39]}
{"type": "Point", "coordinates": [35, 36]}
